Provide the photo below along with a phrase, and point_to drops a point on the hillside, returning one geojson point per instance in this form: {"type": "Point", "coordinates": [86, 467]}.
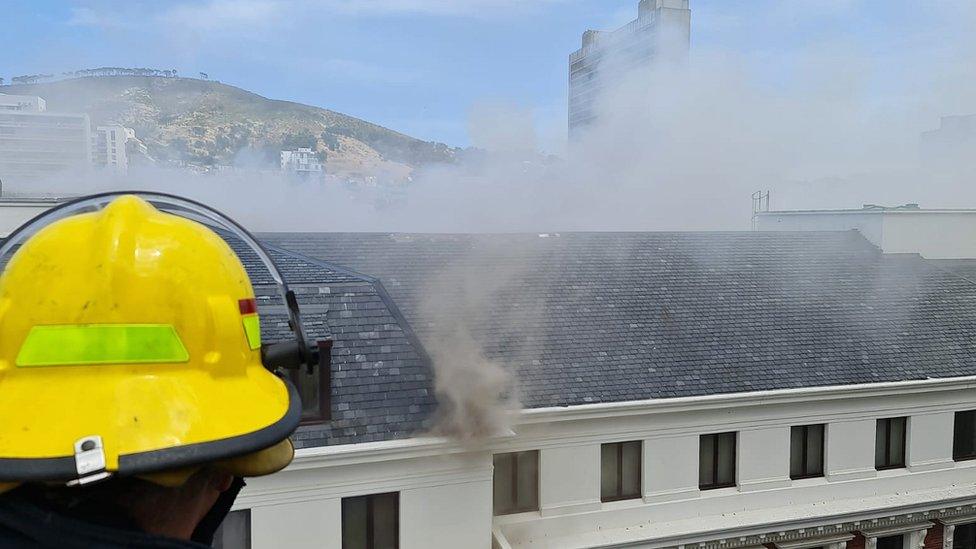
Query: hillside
{"type": "Point", "coordinates": [207, 123]}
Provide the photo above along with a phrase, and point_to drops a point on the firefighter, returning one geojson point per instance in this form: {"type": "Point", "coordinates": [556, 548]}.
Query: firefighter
{"type": "Point", "coordinates": [133, 396]}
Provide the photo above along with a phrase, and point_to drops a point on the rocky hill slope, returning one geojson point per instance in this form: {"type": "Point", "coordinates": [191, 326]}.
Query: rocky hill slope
{"type": "Point", "coordinates": [205, 123]}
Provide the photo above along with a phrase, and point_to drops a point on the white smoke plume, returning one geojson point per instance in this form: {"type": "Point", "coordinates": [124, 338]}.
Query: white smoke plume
{"type": "Point", "coordinates": [674, 149]}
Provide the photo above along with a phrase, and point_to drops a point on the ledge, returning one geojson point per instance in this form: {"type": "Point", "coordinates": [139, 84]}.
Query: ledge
{"type": "Point", "coordinates": [759, 398]}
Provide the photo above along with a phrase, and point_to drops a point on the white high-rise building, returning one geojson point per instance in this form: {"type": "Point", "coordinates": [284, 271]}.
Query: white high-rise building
{"type": "Point", "coordinates": [952, 147]}
{"type": "Point", "coordinates": [661, 32]}
{"type": "Point", "coordinates": [36, 144]}
{"type": "Point", "coordinates": [110, 147]}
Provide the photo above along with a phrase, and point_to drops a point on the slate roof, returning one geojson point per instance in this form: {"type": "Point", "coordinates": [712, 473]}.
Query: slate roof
{"type": "Point", "coordinates": [609, 317]}
{"type": "Point", "coordinates": [382, 386]}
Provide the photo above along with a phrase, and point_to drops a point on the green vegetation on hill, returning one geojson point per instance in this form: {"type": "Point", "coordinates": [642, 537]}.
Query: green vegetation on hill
{"type": "Point", "coordinates": [201, 122]}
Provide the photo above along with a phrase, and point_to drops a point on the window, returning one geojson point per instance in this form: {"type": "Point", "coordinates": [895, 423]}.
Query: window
{"type": "Point", "coordinates": [371, 522]}
{"type": "Point", "coordinates": [806, 451]}
{"type": "Point", "coordinates": [891, 542]}
{"type": "Point", "coordinates": [964, 436]}
{"type": "Point", "coordinates": [620, 471]}
{"type": "Point", "coordinates": [516, 485]}
{"type": "Point", "coordinates": [889, 447]}
{"type": "Point", "coordinates": [235, 531]}
{"type": "Point", "coordinates": [964, 536]}
{"type": "Point", "coordinates": [716, 461]}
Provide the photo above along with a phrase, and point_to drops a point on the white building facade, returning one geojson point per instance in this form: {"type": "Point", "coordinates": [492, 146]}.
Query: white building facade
{"type": "Point", "coordinates": [110, 145]}
{"type": "Point", "coordinates": [952, 147]}
{"type": "Point", "coordinates": [445, 489]}
{"type": "Point", "coordinates": [303, 161]}
{"type": "Point", "coordinates": [22, 103]}
{"type": "Point", "coordinates": [661, 33]}
{"type": "Point", "coordinates": [933, 233]}
{"type": "Point", "coordinates": [36, 145]}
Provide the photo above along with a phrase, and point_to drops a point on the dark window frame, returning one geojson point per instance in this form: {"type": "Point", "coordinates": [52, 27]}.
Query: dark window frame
{"type": "Point", "coordinates": [805, 451]}
{"type": "Point", "coordinates": [218, 541]}
{"type": "Point", "coordinates": [513, 480]}
{"type": "Point", "coordinates": [323, 413]}
{"type": "Point", "coordinates": [897, 540]}
{"type": "Point", "coordinates": [370, 502]}
{"type": "Point", "coordinates": [957, 455]}
{"type": "Point", "coordinates": [620, 496]}
{"type": "Point", "coordinates": [889, 465]}
{"type": "Point", "coordinates": [965, 536]}
{"type": "Point", "coordinates": [715, 485]}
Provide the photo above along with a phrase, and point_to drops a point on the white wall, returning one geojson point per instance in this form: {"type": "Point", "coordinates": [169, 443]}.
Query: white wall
{"type": "Point", "coordinates": [869, 224]}
{"type": "Point", "coordinates": [930, 441]}
{"type": "Point", "coordinates": [445, 499]}
{"type": "Point", "coordinates": [764, 458]}
{"type": "Point", "coordinates": [669, 474]}
{"type": "Point", "coordinates": [935, 234]}
{"type": "Point", "coordinates": [301, 524]}
{"type": "Point", "coordinates": [850, 449]}
{"type": "Point", "coordinates": [942, 235]}
{"type": "Point", "coordinates": [569, 479]}
{"type": "Point", "coordinates": [456, 515]}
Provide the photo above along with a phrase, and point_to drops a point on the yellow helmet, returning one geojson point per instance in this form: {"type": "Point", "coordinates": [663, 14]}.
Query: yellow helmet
{"type": "Point", "coordinates": [130, 345]}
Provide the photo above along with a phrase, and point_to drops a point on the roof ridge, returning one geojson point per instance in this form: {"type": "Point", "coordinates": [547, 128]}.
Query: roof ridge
{"type": "Point", "coordinates": [320, 263]}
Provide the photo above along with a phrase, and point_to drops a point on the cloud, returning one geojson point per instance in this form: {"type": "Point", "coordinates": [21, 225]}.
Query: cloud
{"type": "Point", "coordinates": [226, 14]}
{"type": "Point", "coordinates": [90, 17]}
{"type": "Point", "coordinates": [251, 15]}
{"type": "Point", "coordinates": [351, 69]}
{"type": "Point", "coordinates": [465, 8]}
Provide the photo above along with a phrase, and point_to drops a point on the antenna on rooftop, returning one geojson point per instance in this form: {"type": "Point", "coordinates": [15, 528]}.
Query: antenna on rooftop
{"type": "Point", "coordinates": [760, 204]}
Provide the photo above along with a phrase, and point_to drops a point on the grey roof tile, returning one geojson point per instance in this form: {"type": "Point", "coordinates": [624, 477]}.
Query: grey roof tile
{"type": "Point", "coordinates": [608, 317]}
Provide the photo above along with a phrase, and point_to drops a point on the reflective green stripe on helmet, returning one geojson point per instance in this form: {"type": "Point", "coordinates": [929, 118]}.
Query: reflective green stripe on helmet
{"type": "Point", "coordinates": [252, 329]}
{"type": "Point", "coordinates": [101, 344]}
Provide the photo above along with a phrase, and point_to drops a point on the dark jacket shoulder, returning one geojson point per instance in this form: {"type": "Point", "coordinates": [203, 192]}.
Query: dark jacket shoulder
{"type": "Point", "coordinates": [25, 524]}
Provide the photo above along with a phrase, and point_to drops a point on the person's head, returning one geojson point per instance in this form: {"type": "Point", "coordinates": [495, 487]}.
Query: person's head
{"type": "Point", "coordinates": [132, 352]}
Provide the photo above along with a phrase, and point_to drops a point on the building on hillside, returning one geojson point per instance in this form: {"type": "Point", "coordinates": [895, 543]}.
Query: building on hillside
{"type": "Point", "coordinates": [933, 233]}
{"type": "Point", "coordinates": [22, 103]}
{"type": "Point", "coordinates": [303, 161]}
{"type": "Point", "coordinates": [36, 145]}
{"type": "Point", "coordinates": [661, 33]}
{"type": "Point", "coordinates": [789, 390]}
{"type": "Point", "coordinates": [952, 147]}
{"type": "Point", "coordinates": [112, 146]}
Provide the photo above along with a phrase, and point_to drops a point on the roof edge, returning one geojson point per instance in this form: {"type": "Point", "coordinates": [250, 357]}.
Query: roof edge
{"type": "Point", "coordinates": [779, 396]}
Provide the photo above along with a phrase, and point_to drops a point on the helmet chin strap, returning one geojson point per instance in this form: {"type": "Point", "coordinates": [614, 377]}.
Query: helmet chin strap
{"type": "Point", "coordinates": [289, 355]}
{"type": "Point", "coordinates": [205, 530]}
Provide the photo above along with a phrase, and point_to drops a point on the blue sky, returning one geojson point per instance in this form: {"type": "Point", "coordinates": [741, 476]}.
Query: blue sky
{"type": "Point", "coordinates": [419, 66]}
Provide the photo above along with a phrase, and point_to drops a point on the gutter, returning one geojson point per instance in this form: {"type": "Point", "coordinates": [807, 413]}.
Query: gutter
{"type": "Point", "coordinates": [368, 452]}
{"type": "Point", "coordinates": [756, 398]}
